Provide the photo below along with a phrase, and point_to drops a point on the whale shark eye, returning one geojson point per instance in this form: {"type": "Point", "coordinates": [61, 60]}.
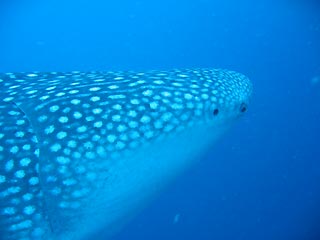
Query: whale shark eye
{"type": "Point", "coordinates": [215, 112]}
{"type": "Point", "coordinates": [243, 107]}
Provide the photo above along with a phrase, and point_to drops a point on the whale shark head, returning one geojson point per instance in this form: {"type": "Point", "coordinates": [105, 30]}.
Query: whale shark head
{"type": "Point", "coordinates": [80, 152]}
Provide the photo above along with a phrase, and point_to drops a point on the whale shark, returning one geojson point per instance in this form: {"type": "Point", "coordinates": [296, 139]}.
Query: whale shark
{"type": "Point", "coordinates": [82, 152]}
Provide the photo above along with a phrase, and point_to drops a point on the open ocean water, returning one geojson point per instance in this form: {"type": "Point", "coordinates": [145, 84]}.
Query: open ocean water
{"type": "Point", "coordinates": [261, 180]}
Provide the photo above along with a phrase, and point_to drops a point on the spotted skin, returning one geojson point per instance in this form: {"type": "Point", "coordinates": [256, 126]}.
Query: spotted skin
{"type": "Point", "coordinates": [20, 193]}
{"type": "Point", "coordinates": [80, 151]}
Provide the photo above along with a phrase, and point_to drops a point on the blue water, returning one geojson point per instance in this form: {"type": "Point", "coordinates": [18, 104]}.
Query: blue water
{"type": "Point", "coordinates": [261, 181]}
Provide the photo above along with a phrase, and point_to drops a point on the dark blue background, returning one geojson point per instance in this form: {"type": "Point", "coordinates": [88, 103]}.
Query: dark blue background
{"type": "Point", "coordinates": [261, 181]}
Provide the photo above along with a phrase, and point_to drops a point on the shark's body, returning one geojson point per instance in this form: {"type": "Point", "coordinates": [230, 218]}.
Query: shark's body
{"type": "Point", "coordinates": [82, 151]}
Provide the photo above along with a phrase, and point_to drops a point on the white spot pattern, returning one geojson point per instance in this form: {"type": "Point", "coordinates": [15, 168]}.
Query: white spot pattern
{"type": "Point", "coordinates": [84, 120]}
